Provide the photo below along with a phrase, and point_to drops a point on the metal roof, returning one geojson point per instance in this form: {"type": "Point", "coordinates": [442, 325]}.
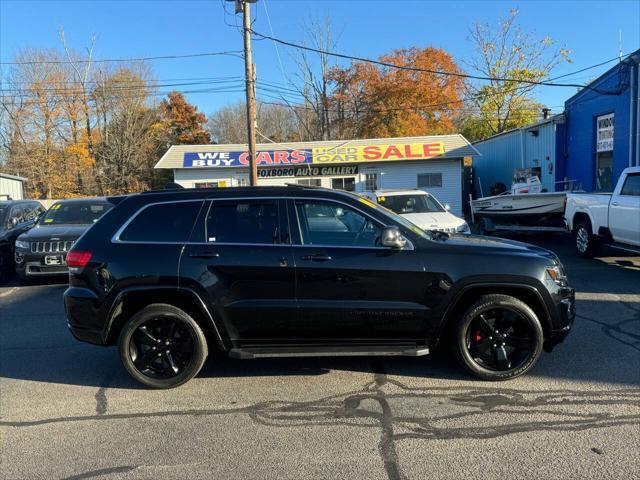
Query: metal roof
{"type": "Point", "coordinates": [12, 177]}
{"type": "Point", "coordinates": [455, 146]}
{"type": "Point", "coordinates": [558, 118]}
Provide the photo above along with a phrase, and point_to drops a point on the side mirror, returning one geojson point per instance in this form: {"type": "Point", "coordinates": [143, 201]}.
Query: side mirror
{"type": "Point", "coordinates": [392, 238]}
{"type": "Point", "coordinates": [447, 207]}
{"type": "Point", "coordinates": [13, 221]}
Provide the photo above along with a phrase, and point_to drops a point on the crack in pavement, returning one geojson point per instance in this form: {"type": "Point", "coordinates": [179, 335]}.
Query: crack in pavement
{"type": "Point", "coordinates": [402, 413]}
{"type": "Point", "coordinates": [102, 471]}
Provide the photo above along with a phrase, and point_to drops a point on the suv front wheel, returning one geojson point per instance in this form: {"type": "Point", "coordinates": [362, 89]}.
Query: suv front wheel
{"type": "Point", "coordinates": [498, 338]}
{"type": "Point", "coordinates": [161, 346]}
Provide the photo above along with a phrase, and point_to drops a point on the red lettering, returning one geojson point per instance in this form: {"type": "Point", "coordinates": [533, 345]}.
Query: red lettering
{"type": "Point", "coordinates": [392, 150]}
{"type": "Point", "coordinates": [409, 154]}
{"type": "Point", "coordinates": [432, 149]}
{"type": "Point", "coordinates": [244, 158]}
{"type": "Point", "coordinates": [263, 157]}
{"type": "Point", "coordinates": [371, 153]}
{"type": "Point", "coordinates": [298, 156]}
{"type": "Point", "coordinates": [280, 157]}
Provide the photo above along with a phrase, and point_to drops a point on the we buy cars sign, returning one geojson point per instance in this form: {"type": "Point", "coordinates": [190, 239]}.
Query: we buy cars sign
{"type": "Point", "coordinates": [240, 159]}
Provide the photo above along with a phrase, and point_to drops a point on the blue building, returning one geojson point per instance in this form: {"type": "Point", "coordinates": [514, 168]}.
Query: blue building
{"type": "Point", "coordinates": [533, 146]}
{"type": "Point", "coordinates": [588, 146]}
{"type": "Point", "coordinates": [602, 135]}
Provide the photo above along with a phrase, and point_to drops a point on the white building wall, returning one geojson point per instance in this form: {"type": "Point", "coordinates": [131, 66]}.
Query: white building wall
{"type": "Point", "coordinates": [10, 188]}
{"type": "Point", "coordinates": [395, 175]}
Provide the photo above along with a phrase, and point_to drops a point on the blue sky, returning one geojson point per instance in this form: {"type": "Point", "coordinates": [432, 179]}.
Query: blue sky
{"type": "Point", "coordinates": [590, 29]}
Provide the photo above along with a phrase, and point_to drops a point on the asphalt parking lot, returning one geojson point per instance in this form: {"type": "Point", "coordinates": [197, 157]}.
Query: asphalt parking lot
{"type": "Point", "coordinates": [69, 410]}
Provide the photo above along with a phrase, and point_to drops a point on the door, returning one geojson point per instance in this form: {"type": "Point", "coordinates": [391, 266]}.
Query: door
{"type": "Point", "coordinates": [349, 288]}
{"type": "Point", "coordinates": [624, 212]}
{"type": "Point", "coordinates": [240, 255]}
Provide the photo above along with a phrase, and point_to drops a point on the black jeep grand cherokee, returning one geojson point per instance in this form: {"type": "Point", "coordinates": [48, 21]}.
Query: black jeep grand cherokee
{"type": "Point", "coordinates": [297, 271]}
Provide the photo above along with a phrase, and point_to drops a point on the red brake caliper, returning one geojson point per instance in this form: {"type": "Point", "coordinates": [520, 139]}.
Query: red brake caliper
{"type": "Point", "coordinates": [478, 336]}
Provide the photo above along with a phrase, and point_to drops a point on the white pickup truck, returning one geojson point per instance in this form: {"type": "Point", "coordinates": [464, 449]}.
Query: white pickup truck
{"type": "Point", "coordinates": [599, 218]}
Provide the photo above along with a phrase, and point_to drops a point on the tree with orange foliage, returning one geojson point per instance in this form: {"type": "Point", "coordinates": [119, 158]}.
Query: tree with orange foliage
{"type": "Point", "coordinates": [185, 125]}
{"type": "Point", "coordinates": [378, 101]}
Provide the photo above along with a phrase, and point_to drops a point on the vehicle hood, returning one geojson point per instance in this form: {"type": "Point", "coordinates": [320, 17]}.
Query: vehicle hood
{"type": "Point", "coordinates": [433, 220]}
{"type": "Point", "coordinates": [498, 245]}
{"type": "Point", "coordinates": [58, 232]}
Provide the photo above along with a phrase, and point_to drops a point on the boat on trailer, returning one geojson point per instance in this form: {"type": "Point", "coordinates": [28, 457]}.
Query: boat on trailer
{"type": "Point", "coordinates": [526, 207]}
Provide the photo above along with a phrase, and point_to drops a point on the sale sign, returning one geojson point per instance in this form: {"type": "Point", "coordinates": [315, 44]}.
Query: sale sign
{"type": "Point", "coordinates": [381, 153]}
{"type": "Point", "coordinates": [241, 159]}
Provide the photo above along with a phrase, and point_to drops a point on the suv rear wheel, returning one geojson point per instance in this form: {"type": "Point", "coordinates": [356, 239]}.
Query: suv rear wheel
{"type": "Point", "coordinates": [161, 346]}
{"type": "Point", "coordinates": [498, 338]}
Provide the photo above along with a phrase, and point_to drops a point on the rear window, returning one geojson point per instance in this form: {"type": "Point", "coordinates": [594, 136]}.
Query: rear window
{"type": "Point", "coordinates": [631, 185]}
{"type": "Point", "coordinates": [245, 221]}
{"type": "Point", "coordinates": [165, 222]}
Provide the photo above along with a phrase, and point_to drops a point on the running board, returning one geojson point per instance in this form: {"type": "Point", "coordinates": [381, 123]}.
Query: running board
{"type": "Point", "coordinates": [346, 351]}
{"type": "Point", "coordinates": [626, 248]}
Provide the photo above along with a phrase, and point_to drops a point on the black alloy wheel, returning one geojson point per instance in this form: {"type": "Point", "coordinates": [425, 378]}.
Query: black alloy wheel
{"type": "Point", "coordinates": [498, 338]}
{"type": "Point", "coordinates": [162, 346]}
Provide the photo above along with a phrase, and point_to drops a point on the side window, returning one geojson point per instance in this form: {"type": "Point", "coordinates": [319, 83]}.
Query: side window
{"type": "Point", "coordinates": [165, 222]}
{"type": "Point", "coordinates": [429, 180]}
{"type": "Point", "coordinates": [631, 185]}
{"type": "Point", "coordinates": [329, 223]}
{"type": "Point", "coordinates": [243, 221]}
{"type": "Point", "coordinates": [18, 211]}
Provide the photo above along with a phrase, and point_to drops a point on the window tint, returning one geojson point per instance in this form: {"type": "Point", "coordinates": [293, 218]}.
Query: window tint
{"type": "Point", "coordinates": [167, 222]}
{"type": "Point", "coordinates": [631, 185]}
{"type": "Point", "coordinates": [426, 180]}
{"type": "Point", "coordinates": [75, 213]}
{"type": "Point", "coordinates": [243, 221]}
{"type": "Point", "coordinates": [404, 204]}
{"type": "Point", "coordinates": [328, 223]}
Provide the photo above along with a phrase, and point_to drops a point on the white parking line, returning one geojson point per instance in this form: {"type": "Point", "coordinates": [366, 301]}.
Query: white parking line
{"type": "Point", "coordinates": [608, 297]}
{"type": "Point", "coordinates": [7, 292]}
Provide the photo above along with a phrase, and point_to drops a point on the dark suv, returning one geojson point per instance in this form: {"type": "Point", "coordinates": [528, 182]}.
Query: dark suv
{"type": "Point", "coordinates": [41, 251]}
{"type": "Point", "coordinates": [16, 217]}
{"type": "Point", "coordinates": [298, 271]}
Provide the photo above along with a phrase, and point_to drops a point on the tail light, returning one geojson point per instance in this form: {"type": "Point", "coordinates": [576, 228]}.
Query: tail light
{"type": "Point", "coordinates": [77, 258]}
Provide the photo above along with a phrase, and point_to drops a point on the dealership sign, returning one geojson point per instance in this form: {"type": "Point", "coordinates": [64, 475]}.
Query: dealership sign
{"type": "Point", "coordinates": [307, 171]}
{"type": "Point", "coordinates": [317, 155]}
{"type": "Point", "coordinates": [604, 124]}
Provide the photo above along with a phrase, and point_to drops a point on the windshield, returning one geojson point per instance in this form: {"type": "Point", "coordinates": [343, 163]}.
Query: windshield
{"type": "Point", "coordinates": [395, 218]}
{"type": "Point", "coordinates": [75, 213]}
{"type": "Point", "coordinates": [3, 212]}
{"type": "Point", "coordinates": [403, 204]}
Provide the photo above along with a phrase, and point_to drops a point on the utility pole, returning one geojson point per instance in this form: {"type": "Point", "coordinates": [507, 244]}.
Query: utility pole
{"type": "Point", "coordinates": [250, 79]}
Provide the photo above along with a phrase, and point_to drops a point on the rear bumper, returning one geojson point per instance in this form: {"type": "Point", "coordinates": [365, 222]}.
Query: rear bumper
{"type": "Point", "coordinates": [79, 306]}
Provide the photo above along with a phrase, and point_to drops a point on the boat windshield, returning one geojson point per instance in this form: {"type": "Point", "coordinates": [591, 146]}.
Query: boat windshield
{"type": "Point", "coordinates": [411, 203]}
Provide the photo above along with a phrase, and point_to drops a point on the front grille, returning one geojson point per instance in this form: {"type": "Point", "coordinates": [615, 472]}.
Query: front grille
{"type": "Point", "coordinates": [52, 247]}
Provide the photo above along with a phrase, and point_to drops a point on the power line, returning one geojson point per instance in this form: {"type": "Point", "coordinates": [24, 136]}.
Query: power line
{"type": "Point", "coordinates": [231, 53]}
{"type": "Point", "coordinates": [426, 70]}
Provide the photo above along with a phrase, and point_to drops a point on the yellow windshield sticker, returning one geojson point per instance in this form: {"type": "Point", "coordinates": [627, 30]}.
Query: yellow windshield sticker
{"type": "Point", "coordinates": [56, 207]}
{"type": "Point", "coordinates": [48, 220]}
{"type": "Point", "coordinates": [368, 202]}
{"type": "Point", "coordinates": [381, 199]}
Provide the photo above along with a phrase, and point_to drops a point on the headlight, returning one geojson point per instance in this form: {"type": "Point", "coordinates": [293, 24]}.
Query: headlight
{"type": "Point", "coordinates": [556, 273]}
{"type": "Point", "coordinates": [463, 228]}
{"type": "Point", "coordinates": [22, 244]}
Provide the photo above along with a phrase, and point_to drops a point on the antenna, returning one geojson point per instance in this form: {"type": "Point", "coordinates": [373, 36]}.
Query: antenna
{"type": "Point", "coordinates": [620, 43]}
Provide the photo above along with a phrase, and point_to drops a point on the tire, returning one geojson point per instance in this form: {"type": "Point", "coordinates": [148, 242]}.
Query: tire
{"type": "Point", "coordinates": [518, 361]}
{"type": "Point", "coordinates": [585, 241]}
{"type": "Point", "coordinates": [142, 337]}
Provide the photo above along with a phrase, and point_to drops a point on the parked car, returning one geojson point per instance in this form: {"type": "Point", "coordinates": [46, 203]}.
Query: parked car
{"type": "Point", "coordinates": [42, 250]}
{"type": "Point", "coordinates": [295, 271]}
{"type": "Point", "coordinates": [600, 218]}
{"type": "Point", "coordinates": [16, 217]}
{"type": "Point", "coordinates": [420, 208]}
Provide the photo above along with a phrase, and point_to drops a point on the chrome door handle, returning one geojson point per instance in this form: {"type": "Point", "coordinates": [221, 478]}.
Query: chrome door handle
{"type": "Point", "coordinates": [316, 258]}
{"type": "Point", "coordinates": [204, 255]}
{"type": "Point", "coordinates": [615, 204]}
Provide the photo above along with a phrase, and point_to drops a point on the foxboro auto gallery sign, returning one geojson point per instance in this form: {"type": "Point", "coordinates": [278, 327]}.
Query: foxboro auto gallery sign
{"type": "Point", "coordinates": [316, 156]}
